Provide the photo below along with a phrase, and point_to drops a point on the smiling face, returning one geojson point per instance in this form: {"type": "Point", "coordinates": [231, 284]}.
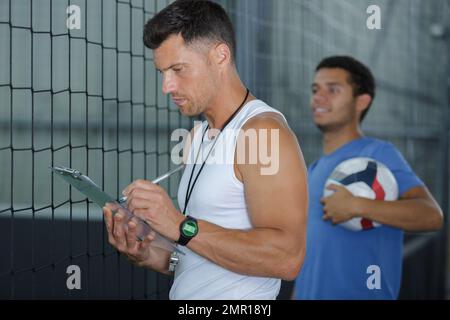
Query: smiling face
{"type": "Point", "coordinates": [333, 103]}
{"type": "Point", "coordinates": [188, 74]}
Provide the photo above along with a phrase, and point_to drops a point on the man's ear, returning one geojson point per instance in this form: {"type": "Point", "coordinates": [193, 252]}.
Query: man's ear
{"type": "Point", "coordinates": [221, 54]}
{"type": "Point", "coordinates": [363, 102]}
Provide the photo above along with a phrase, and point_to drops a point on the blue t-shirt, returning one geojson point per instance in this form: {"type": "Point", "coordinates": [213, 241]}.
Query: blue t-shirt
{"type": "Point", "coordinates": [339, 262]}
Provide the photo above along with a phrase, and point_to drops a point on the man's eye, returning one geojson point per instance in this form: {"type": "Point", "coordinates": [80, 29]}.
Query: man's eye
{"type": "Point", "coordinates": [334, 90]}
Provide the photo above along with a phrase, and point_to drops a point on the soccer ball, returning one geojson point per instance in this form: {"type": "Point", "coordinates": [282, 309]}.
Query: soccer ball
{"type": "Point", "coordinates": [366, 178]}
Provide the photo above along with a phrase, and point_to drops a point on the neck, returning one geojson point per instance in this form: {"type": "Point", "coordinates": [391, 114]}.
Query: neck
{"type": "Point", "coordinates": [229, 97]}
{"type": "Point", "coordinates": [334, 139]}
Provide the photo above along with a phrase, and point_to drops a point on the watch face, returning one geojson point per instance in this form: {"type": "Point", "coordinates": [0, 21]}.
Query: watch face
{"type": "Point", "coordinates": [190, 228]}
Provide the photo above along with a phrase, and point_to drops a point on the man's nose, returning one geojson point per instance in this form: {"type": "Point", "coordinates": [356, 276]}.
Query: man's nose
{"type": "Point", "coordinates": [168, 84]}
{"type": "Point", "coordinates": [319, 97]}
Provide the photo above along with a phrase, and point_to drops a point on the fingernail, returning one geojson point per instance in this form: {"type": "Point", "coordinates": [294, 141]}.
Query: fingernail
{"type": "Point", "coordinates": [122, 200]}
{"type": "Point", "coordinates": [109, 206]}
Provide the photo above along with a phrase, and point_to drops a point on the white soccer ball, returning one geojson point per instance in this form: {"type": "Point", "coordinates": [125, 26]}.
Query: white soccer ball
{"type": "Point", "coordinates": [366, 178]}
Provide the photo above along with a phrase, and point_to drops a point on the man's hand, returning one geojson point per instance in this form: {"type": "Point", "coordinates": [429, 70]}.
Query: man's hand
{"type": "Point", "coordinates": [339, 207]}
{"type": "Point", "coordinates": [152, 204]}
{"type": "Point", "coordinates": [125, 241]}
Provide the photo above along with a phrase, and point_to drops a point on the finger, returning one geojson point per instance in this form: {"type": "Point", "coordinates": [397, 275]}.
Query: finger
{"type": "Point", "coordinates": [109, 222]}
{"type": "Point", "coordinates": [131, 235]}
{"type": "Point", "coordinates": [139, 193]}
{"type": "Point", "coordinates": [145, 214]}
{"type": "Point", "coordinates": [139, 203]}
{"type": "Point", "coordinates": [154, 191]}
{"type": "Point", "coordinates": [107, 214]}
{"type": "Point", "coordinates": [113, 207]}
{"type": "Point", "coordinates": [334, 187]}
{"type": "Point", "coordinates": [326, 217]}
{"type": "Point", "coordinates": [139, 184]}
{"type": "Point", "coordinates": [118, 231]}
{"type": "Point", "coordinates": [146, 243]}
{"type": "Point", "coordinates": [330, 216]}
{"type": "Point", "coordinates": [150, 237]}
{"type": "Point", "coordinates": [151, 197]}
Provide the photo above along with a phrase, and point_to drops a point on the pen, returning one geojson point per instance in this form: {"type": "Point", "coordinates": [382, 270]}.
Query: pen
{"type": "Point", "coordinates": [158, 180]}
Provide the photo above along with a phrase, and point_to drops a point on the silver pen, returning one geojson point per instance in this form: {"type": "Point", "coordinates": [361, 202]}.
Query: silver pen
{"type": "Point", "coordinates": [158, 180]}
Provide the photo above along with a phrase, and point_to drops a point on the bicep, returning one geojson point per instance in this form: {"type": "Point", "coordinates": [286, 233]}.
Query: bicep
{"type": "Point", "coordinates": [404, 175]}
{"type": "Point", "coordinates": [279, 199]}
{"type": "Point", "coordinates": [421, 193]}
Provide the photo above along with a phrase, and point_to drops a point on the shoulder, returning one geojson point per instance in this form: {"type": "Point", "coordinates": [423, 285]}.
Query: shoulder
{"type": "Point", "coordinates": [381, 143]}
{"type": "Point", "coordinates": [271, 126]}
{"type": "Point", "coordinates": [378, 147]}
{"type": "Point", "coordinates": [266, 120]}
{"type": "Point", "coordinates": [388, 154]}
{"type": "Point", "coordinates": [386, 148]}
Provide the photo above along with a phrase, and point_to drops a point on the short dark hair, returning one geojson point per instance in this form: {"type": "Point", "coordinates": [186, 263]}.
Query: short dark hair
{"type": "Point", "coordinates": [361, 78]}
{"type": "Point", "coordinates": [194, 20]}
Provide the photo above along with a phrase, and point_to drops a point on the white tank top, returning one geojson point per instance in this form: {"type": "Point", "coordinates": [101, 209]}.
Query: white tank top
{"type": "Point", "coordinates": [218, 198]}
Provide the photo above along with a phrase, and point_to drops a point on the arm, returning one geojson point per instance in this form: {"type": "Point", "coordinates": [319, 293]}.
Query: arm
{"type": "Point", "coordinates": [277, 205]}
{"type": "Point", "coordinates": [416, 210]}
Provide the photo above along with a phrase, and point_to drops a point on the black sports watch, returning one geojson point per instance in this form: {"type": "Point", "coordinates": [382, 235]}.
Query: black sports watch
{"type": "Point", "coordinates": [188, 230]}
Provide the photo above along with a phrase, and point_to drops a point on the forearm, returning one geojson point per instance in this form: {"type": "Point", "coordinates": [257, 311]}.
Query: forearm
{"type": "Point", "coordinates": [158, 261]}
{"type": "Point", "coordinates": [410, 215]}
{"type": "Point", "coordinates": [260, 252]}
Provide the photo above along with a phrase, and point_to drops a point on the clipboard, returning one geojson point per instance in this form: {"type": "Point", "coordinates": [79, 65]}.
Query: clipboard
{"type": "Point", "coordinates": [89, 188]}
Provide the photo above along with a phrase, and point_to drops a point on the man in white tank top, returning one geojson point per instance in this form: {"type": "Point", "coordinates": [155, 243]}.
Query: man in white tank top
{"type": "Point", "coordinates": [242, 223]}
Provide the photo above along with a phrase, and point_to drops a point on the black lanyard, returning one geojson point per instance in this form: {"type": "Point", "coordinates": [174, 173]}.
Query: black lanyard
{"type": "Point", "coordinates": [189, 188]}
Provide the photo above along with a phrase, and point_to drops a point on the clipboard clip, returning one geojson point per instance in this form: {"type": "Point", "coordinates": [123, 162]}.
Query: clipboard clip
{"type": "Point", "coordinates": [67, 171]}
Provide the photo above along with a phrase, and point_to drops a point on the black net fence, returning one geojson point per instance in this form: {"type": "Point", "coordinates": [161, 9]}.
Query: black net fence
{"type": "Point", "coordinates": [86, 98]}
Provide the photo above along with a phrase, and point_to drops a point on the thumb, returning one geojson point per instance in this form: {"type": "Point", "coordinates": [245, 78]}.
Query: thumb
{"type": "Point", "coordinates": [334, 187]}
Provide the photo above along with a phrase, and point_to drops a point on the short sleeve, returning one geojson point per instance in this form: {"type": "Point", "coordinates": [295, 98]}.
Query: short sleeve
{"type": "Point", "coordinates": [394, 160]}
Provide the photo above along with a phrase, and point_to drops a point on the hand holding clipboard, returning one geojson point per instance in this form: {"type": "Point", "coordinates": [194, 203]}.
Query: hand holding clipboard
{"type": "Point", "coordinates": [87, 187]}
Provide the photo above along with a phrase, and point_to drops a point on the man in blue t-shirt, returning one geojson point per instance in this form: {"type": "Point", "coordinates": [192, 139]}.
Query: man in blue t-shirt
{"type": "Point", "coordinates": [344, 264]}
